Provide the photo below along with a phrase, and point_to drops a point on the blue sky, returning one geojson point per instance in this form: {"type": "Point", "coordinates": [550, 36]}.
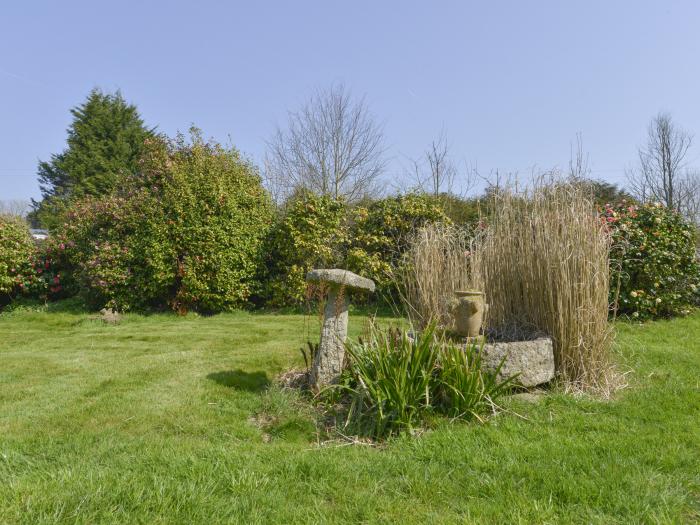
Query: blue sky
{"type": "Point", "coordinates": [511, 83]}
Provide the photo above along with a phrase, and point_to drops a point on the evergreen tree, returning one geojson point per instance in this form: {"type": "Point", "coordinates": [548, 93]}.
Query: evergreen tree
{"type": "Point", "coordinates": [105, 141]}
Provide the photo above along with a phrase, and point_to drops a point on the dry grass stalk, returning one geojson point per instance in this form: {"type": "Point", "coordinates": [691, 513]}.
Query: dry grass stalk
{"type": "Point", "coordinates": [543, 264]}
{"type": "Point", "coordinates": [437, 265]}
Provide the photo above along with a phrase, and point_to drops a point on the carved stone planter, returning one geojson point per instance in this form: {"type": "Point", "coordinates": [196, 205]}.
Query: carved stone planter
{"type": "Point", "coordinates": [468, 312]}
{"type": "Point", "coordinates": [533, 360]}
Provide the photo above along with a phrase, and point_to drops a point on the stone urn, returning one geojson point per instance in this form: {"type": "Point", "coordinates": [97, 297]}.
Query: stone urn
{"type": "Point", "coordinates": [468, 311]}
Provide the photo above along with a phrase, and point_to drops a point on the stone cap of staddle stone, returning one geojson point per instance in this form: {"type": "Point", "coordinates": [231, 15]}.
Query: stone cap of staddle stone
{"type": "Point", "coordinates": [341, 277]}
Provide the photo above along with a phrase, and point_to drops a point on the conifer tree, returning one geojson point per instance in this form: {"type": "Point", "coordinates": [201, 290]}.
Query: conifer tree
{"type": "Point", "coordinates": [105, 141]}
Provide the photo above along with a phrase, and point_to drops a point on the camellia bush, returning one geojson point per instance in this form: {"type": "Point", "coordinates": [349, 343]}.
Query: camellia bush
{"type": "Point", "coordinates": [654, 268]}
{"type": "Point", "coordinates": [186, 233]}
{"type": "Point", "coordinates": [16, 254]}
{"type": "Point", "coordinates": [311, 233]}
{"type": "Point", "coordinates": [115, 250]}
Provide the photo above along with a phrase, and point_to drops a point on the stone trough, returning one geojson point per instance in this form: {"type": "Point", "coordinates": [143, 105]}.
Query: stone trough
{"type": "Point", "coordinates": [532, 360]}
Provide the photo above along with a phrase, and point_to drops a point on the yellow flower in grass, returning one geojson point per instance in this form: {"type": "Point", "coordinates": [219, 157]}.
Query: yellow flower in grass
{"type": "Point", "coordinates": [633, 294]}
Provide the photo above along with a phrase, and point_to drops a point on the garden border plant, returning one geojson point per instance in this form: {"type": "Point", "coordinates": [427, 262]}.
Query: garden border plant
{"type": "Point", "coordinates": [396, 383]}
{"type": "Point", "coordinates": [186, 233]}
{"type": "Point", "coordinates": [17, 248]}
{"type": "Point", "coordinates": [655, 272]}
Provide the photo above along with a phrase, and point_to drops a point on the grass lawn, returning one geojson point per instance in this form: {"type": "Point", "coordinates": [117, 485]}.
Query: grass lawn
{"type": "Point", "coordinates": [152, 421]}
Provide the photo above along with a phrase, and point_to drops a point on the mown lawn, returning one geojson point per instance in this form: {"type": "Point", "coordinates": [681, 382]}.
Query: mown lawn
{"type": "Point", "coordinates": [152, 421]}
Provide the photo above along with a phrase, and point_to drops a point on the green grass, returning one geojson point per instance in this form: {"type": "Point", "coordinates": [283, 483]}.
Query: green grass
{"type": "Point", "coordinates": [154, 421]}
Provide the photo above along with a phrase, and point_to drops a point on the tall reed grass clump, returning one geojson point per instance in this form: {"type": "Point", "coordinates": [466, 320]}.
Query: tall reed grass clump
{"type": "Point", "coordinates": [435, 265]}
{"type": "Point", "coordinates": [543, 264]}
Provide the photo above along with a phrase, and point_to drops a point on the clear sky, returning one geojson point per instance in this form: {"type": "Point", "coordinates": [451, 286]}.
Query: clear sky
{"type": "Point", "coordinates": [511, 83]}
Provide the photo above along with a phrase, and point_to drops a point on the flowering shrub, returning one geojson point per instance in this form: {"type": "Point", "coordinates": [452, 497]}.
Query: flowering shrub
{"type": "Point", "coordinates": [16, 252]}
{"type": "Point", "coordinates": [53, 275]}
{"type": "Point", "coordinates": [187, 233]}
{"type": "Point", "coordinates": [110, 247]}
{"type": "Point", "coordinates": [312, 233]}
{"type": "Point", "coordinates": [653, 263]}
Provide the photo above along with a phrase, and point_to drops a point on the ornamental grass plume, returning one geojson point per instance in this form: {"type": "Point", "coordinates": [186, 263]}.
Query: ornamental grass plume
{"type": "Point", "coordinates": [435, 265]}
{"type": "Point", "coordinates": [543, 263]}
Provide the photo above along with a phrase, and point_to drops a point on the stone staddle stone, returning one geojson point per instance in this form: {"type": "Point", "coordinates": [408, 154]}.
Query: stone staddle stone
{"type": "Point", "coordinates": [532, 360]}
{"type": "Point", "coordinates": [328, 362]}
{"type": "Point", "coordinates": [340, 278]}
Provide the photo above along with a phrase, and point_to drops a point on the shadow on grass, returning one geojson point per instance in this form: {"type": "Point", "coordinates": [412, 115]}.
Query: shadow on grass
{"type": "Point", "coordinates": [241, 380]}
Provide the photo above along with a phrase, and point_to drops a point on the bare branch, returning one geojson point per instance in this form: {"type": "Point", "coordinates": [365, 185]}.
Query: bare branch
{"type": "Point", "coordinates": [18, 208]}
{"type": "Point", "coordinates": [660, 176]}
{"type": "Point", "coordinates": [436, 173]}
{"type": "Point", "coordinates": [331, 146]}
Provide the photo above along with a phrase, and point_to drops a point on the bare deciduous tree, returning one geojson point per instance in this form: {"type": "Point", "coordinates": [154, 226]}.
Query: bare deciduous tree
{"type": "Point", "coordinates": [578, 161]}
{"type": "Point", "coordinates": [436, 172]}
{"type": "Point", "coordinates": [15, 207]}
{"type": "Point", "coordinates": [690, 195]}
{"type": "Point", "coordinates": [331, 146]}
{"type": "Point", "coordinates": [661, 175]}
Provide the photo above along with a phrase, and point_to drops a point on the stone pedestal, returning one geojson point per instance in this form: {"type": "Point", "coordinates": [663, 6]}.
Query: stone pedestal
{"type": "Point", "coordinates": [328, 361]}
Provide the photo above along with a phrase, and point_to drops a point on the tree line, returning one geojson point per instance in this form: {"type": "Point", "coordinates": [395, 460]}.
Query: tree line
{"type": "Point", "coordinates": [333, 146]}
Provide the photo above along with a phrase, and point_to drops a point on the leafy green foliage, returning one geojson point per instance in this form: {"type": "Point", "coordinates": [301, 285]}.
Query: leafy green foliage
{"type": "Point", "coordinates": [105, 142]}
{"type": "Point", "coordinates": [603, 192]}
{"type": "Point", "coordinates": [381, 234]}
{"type": "Point", "coordinates": [117, 250]}
{"type": "Point", "coordinates": [397, 383]}
{"type": "Point", "coordinates": [465, 390]}
{"type": "Point", "coordinates": [317, 231]}
{"type": "Point", "coordinates": [217, 215]}
{"type": "Point", "coordinates": [391, 379]}
{"type": "Point", "coordinates": [462, 212]}
{"type": "Point", "coordinates": [16, 253]}
{"type": "Point", "coordinates": [654, 268]}
{"type": "Point", "coordinates": [311, 233]}
{"type": "Point", "coordinates": [55, 276]}
{"type": "Point", "coordinates": [186, 233]}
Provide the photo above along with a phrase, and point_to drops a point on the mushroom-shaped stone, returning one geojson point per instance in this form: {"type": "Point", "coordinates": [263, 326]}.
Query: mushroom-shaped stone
{"type": "Point", "coordinates": [328, 361]}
